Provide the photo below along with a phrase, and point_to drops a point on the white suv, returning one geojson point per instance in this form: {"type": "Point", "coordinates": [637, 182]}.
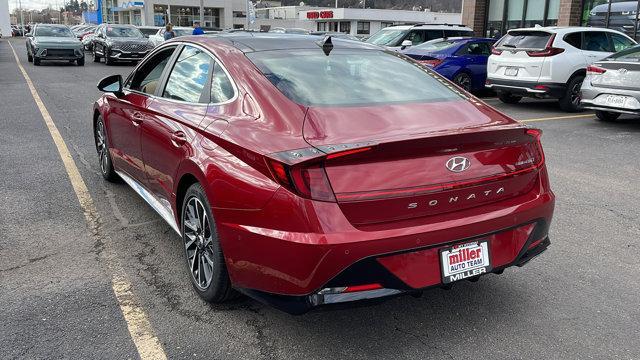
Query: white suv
{"type": "Point", "coordinates": [549, 62]}
{"type": "Point", "coordinates": [402, 36]}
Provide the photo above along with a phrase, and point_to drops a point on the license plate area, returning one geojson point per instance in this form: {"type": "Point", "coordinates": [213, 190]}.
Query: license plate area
{"type": "Point", "coordinates": [463, 261]}
{"type": "Point", "coordinates": [511, 71]}
{"type": "Point", "coordinates": [615, 100]}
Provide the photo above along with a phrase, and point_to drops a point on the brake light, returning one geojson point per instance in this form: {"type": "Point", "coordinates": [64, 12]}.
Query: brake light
{"type": "Point", "coordinates": [495, 51]}
{"type": "Point", "coordinates": [537, 135]}
{"type": "Point", "coordinates": [308, 181]}
{"type": "Point", "coordinates": [549, 50]}
{"type": "Point", "coordinates": [595, 70]}
{"type": "Point", "coordinates": [431, 62]}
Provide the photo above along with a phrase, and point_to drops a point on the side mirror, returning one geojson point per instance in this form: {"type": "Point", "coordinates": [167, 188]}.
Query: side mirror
{"type": "Point", "coordinates": [111, 84]}
{"type": "Point", "coordinates": [406, 43]}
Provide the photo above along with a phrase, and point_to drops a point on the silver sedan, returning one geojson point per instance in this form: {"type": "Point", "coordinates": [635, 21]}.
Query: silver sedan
{"type": "Point", "coordinates": [612, 86]}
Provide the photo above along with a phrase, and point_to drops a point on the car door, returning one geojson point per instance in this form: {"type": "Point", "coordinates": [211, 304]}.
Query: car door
{"type": "Point", "coordinates": [595, 46]}
{"type": "Point", "coordinates": [175, 114]}
{"type": "Point", "coordinates": [475, 56]}
{"type": "Point", "coordinates": [130, 111]}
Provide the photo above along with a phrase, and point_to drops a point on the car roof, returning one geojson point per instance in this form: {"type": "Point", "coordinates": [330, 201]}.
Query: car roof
{"type": "Point", "coordinates": [429, 27]}
{"type": "Point", "coordinates": [252, 42]}
{"type": "Point", "coordinates": [564, 29]}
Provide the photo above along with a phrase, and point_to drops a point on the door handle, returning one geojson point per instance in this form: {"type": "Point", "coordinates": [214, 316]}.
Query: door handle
{"type": "Point", "coordinates": [137, 118]}
{"type": "Point", "coordinates": [178, 138]}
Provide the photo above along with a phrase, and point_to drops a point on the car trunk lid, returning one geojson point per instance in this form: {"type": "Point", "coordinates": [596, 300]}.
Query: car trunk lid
{"type": "Point", "coordinates": [513, 59]}
{"type": "Point", "coordinates": [421, 159]}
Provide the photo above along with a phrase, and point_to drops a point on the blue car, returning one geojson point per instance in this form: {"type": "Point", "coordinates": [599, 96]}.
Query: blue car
{"type": "Point", "coordinates": [461, 60]}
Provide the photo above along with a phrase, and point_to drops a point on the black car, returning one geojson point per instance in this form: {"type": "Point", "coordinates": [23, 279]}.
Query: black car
{"type": "Point", "coordinates": [119, 43]}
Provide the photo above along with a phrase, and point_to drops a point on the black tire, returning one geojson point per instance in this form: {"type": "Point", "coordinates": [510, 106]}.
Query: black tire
{"type": "Point", "coordinates": [463, 80]}
{"type": "Point", "coordinates": [607, 116]}
{"type": "Point", "coordinates": [36, 61]}
{"type": "Point", "coordinates": [570, 102]}
{"type": "Point", "coordinates": [509, 98]}
{"type": "Point", "coordinates": [104, 157]}
{"type": "Point", "coordinates": [80, 61]}
{"type": "Point", "coordinates": [96, 57]}
{"type": "Point", "coordinates": [202, 245]}
{"type": "Point", "coordinates": [29, 57]}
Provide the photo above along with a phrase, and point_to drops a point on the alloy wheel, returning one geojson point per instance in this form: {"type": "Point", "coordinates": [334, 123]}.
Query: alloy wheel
{"type": "Point", "coordinates": [198, 242]}
{"type": "Point", "coordinates": [101, 144]}
{"type": "Point", "coordinates": [575, 94]}
{"type": "Point", "coordinates": [464, 81]}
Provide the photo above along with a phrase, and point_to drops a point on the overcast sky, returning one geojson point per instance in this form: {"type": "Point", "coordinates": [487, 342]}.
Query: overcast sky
{"type": "Point", "coordinates": [36, 4]}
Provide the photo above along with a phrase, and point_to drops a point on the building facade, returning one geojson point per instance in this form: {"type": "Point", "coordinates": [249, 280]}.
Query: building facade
{"type": "Point", "coordinates": [215, 13]}
{"type": "Point", "coordinates": [494, 17]}
{"type": "Point", "coordinates": [5, 19]}
{"type": "Point", "coordinates": [354, 21]}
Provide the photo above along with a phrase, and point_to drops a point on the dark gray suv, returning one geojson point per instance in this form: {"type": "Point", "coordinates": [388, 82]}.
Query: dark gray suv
{"type": "Point", "coordinates": [119, 43]}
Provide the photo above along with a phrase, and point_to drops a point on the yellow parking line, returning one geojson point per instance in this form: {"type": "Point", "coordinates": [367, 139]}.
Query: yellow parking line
{"type": "Point", "coordinates": [140, 329]}
{"type": "Point", "coordinates": [565, 117]}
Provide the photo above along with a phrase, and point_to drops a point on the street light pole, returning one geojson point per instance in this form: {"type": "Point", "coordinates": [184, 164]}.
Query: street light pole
{"type": "Point", "coordinates": [21, 16]}
{"type": "Point", "coordinates": [201, 12]}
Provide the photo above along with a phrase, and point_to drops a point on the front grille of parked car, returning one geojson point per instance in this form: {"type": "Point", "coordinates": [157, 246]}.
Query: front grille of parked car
{"type": "Point", "coordinates": [60, 52]}
{"type": "Point", "coordinates": [133, 47]}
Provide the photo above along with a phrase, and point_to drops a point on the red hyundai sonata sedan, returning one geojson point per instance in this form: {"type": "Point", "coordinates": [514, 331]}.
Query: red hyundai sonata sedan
{"type": "Point", "coordinates": [304, 171]}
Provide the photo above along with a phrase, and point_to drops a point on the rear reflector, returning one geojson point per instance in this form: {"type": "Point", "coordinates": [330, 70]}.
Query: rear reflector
{"type": "Point", "coordinates": [367, 287]}
{"type": "Point", "coordinates": [595, 70]}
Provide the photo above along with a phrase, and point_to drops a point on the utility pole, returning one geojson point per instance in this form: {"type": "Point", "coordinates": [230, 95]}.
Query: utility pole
{"type": "Point", "coordinates": [168, 12]}
{"type": "Point", "coordinates": [336, 4]}
{"type": "Point", "coordinates": [21, 17]}
{"type": "Point", "coordinates": [202, 13]}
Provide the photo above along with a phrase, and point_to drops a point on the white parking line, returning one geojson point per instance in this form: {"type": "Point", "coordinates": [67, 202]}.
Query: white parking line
{"type": "Point", "coordinates": [140, 329]}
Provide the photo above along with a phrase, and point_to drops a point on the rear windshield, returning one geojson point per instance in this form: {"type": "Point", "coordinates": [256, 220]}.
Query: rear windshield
{"type": "Point", "coordinates": [349, 77]}
{"type": "Point", "coordinates": [123, 32]}
{"type": "Point", "coordinates": [54, 31]}
{"type": "Point", "coordinates": [436, 45]}
{"type": "Point", "coordinates": [387, 36]}
{"type": "Point", "coordinates": [632, 54]}
{"type": "Point", "coordinates": [525, 40]}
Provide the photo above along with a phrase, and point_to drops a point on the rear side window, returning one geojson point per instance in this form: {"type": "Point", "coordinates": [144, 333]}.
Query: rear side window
{"type": "Point", "coordinates": [525, 40]}
{"type": "Point", "coordinates": [221, 88]}
{"type": "Point", "coordinates": [354, 77]}
{"type": "Point", "coordinates": [620, 42]}
{"type": "Point", "coordinates": [189, 76]}
{"type": "Point", "coordinates": [596, 41]}
{"type": "Point", "coordinates": [458, 33]}
{"type": "Point", "coordinates": [476, 49]}
{"type": "Point", "coordinates": [574, 39]}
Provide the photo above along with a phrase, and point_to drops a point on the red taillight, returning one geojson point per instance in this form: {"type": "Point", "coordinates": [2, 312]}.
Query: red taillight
{"type": "Point", "coordinates": [549, 50]}
{"type": "Point", "coordinates": [546, 52]}
{"type": "Point", "coordinates": [537, 135]}
{"type": "Point", "coordinates": [308, 181]}
{"type": "Point", "coordinates": [431, 62]}
{"type": "Point", "coordinates": [595, 70]}
{"type": "Point", "coordinates": [495, 51]}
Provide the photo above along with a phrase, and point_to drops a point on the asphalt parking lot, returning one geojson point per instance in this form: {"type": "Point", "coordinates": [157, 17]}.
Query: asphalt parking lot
{"type": "Point", "coordinates": [579, 300]}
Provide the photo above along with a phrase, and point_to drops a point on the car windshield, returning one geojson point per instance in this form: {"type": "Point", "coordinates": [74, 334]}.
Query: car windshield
{"type": "Point", "coordinates": [148, 31]}
{"type": "Point", "coordinates": [53, 31]}
{"type": "Point", "coordinates": [387, 36]}
{"type": "Point", "coordinates": [525, 40]}
{"type": "Point", "coordinates": [632, 54]}
{"type": "Point", "coordinates": [435, 46]}
{"type": "Point", "coordinates": [349, 77]}
{"type": "Point", "coordinates": [123, 32]}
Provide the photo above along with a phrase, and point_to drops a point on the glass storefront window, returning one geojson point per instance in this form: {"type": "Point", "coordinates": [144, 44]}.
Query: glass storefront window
{"type": "Point", "coordinates": [494, 23]}
{"type": "Point", "coordinates": [535, 13]}
{"type": "Point", "coordinates": [514, 14]}
{"type": "Point", "coordinates": [552, 13]}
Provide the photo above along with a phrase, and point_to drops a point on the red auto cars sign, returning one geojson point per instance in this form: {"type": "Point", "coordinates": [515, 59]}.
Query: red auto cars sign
{"type": "Point", "coordinates": [327, 14]}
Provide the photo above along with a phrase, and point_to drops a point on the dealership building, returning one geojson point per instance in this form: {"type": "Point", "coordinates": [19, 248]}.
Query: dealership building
{"type": "Point", "coordinates": [215, 13]}
{"type": "Point", "coordinates": [354, 21]}
{"type": "Point", "coordinates": [495, 17]}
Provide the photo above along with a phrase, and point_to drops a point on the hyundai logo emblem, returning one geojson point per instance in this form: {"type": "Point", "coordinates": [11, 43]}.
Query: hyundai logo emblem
{"type": "Point", "coordinates": [458, 164]}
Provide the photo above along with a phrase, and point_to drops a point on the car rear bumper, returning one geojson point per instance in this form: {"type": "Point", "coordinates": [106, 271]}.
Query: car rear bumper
{"type": "Point", "coordinates": [296, 270]}
{"type": "Point", "coordinates": [592, 98]}
{"type": "Point", "coordinates": [528, 88]}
